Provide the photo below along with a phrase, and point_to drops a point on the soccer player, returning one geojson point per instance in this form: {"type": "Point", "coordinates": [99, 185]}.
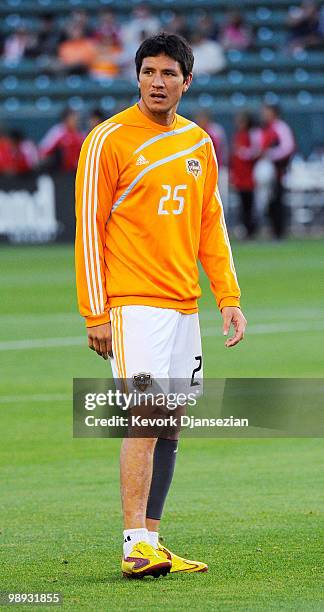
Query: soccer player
{"type": "Point", "coordinates": [147, 208]}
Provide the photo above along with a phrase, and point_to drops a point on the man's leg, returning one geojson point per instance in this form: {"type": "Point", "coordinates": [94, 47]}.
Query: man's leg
{"type": "Point", "coordinates": [163, 468]}
{"type": "Point", "coordinates": [186, 362]}
{"type": "Point", "coordinates": [145, 482]}
{"type": "Point", "coordinates": [248, 220]}
{"type": "Point", "coordinates": [277, 211]}
{"type": "Point", "coordinates": [185, 371]}
{"type": "Point", "coordinates": [165, 454]}
{"type": "Point", "coordinates": [155, 331]}
{"type": "Point", "coordinates": [136, 462]}
{"type": "Point", "coordinates": [140, 557]}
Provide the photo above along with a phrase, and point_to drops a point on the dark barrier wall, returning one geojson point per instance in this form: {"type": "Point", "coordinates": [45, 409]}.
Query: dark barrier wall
{"type": "Point", "coordinates": [37, 208]}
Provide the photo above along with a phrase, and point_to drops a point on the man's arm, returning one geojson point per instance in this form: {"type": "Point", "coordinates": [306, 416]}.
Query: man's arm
{"type": "Point", "coordinates": [100, 340]}
{"type": "Point", "coordinates": [94, 191]}
{"type": "Point", "coordinates": [232, 315]}
{"type": "Point", "coordinates": [51, 140]}
{"type": "Point", "coordinates": [285, 145]}
{"type": "Point", "coordinates": [216, 256]}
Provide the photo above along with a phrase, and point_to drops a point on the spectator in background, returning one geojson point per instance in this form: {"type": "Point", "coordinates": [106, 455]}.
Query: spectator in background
{"type": "Point", "coordinates": [178, 25]}
{"type": "Point", "coordinates": [209, 55]}
{"type": "Point", "coordinates": [18, 155]}
{"type": "Point", "coordinates": [207, 26]}
{"type": "Point", "coordinates": [217, 135]}
{"type": "Point", "coordinates": [141, 20]}
{"type": "Point", "coordinates": [108, 58]}
{"type": "Point", "coordinates": [18, 45]}
{"type": "Point", "coordinates": [304, 25]}
{"type": "Point", "coordinates": [96, 116]}
{"type": "Point", "coordinates": [60, 148]}
{"type": "Point", "coordinates": [24, 153]}
{"type": "Point", "coordinates": [6, 157]}
{"type": "Point", "coordinates": [78, 52]}
{"type": "Point", "coordinates": [80, 18]}
{"type": "Point", "coordinates": [277, 145]}
{"type": "Point", "coordinates": [107, 26]}
{"type": "Point", "coordinates": [244, 153]}
{"type": "Point", "coordinates": [235, 33]}
{"type": "Point", "coordinates": [48, 37]}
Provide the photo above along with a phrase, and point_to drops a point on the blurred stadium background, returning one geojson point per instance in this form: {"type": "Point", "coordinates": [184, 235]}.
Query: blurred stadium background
{"type": "Point", "coordinates": [259, 499]}
{"type": "Point", "coordinates": [78, 55]}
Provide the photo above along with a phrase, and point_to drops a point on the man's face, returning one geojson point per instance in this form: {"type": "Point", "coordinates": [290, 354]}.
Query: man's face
{"type": "Point", "coordinates": [267, 115]}
{"type": "Point", "coordinates": [72, 121]}
{"type": "Point", "coordinates": [161, 83]}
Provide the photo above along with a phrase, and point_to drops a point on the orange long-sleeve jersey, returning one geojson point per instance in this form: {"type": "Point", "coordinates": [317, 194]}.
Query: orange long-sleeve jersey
{"type": "Point", "coordinates": [147, 208]}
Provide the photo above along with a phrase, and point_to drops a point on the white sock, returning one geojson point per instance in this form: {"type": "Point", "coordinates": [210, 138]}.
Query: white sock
{"type": "Point", "coordinates": [154, 538]}
{"type": "Point", "coordinates": [133, 536]}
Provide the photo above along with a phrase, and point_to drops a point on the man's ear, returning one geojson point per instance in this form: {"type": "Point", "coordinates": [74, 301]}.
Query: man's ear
{"type": "Point", "coordinates": [187, 83]}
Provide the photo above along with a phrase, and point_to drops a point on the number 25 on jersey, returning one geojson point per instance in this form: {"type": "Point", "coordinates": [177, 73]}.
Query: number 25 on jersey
{"type": "Point", "coordinates": [174, 197]}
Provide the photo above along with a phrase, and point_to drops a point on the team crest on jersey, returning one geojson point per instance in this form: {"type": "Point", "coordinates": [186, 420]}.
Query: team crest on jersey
{"type": "Point", "coordinates": [142, 381]}
{"type": "Point", "coordinates": [194, 167]}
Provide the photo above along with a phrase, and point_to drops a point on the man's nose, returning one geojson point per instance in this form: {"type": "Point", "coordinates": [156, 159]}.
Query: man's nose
{"type": "Point", "coordinates": [158, 80]}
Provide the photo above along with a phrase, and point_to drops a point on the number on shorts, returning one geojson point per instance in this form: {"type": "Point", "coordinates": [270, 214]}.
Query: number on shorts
{"type": "Point", "coordinates": [197, 369]}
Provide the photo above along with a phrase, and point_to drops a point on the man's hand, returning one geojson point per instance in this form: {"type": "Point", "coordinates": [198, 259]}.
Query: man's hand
{"type": "Point", "coordinates": [99, 340]}
{"type": "Point", "coordinates": [233, 315]}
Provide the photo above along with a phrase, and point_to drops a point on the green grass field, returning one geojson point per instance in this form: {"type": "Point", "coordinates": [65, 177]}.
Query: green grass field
{"type": "Point", "coordinates": [250, 508]}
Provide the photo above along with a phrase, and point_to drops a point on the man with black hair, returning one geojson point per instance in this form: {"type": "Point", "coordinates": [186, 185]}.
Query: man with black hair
{"type": "Point", "coordinates": [61, 145]}
{"type": "Point", "coordinates": [277, 145]}
{"type": "Point", "coordinates": [148, 207]}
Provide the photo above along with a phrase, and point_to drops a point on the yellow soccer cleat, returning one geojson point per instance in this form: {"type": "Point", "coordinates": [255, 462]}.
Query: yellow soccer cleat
{"type": "Point", "coordinates": [145, 560]}
{"type": "Point", "coordinates": [181, 565]}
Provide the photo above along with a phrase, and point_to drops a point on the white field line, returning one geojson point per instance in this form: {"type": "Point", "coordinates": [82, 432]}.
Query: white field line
{"type": "Point", "coordinates": [21, 345]}
{"type": "Point", "coordinates": [46, 397]}
{"type": "Point", "coordinates": [40, 317]}
{"type": "Point", "coordinates": [257, 329]}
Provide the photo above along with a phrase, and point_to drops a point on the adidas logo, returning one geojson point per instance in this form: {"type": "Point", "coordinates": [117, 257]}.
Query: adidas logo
{"type": "Point", "coordinates": [141, 161]}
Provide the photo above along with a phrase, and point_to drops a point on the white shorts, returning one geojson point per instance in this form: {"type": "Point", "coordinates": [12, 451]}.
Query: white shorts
{"type": "Point", "coordinates": [157, 342]}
